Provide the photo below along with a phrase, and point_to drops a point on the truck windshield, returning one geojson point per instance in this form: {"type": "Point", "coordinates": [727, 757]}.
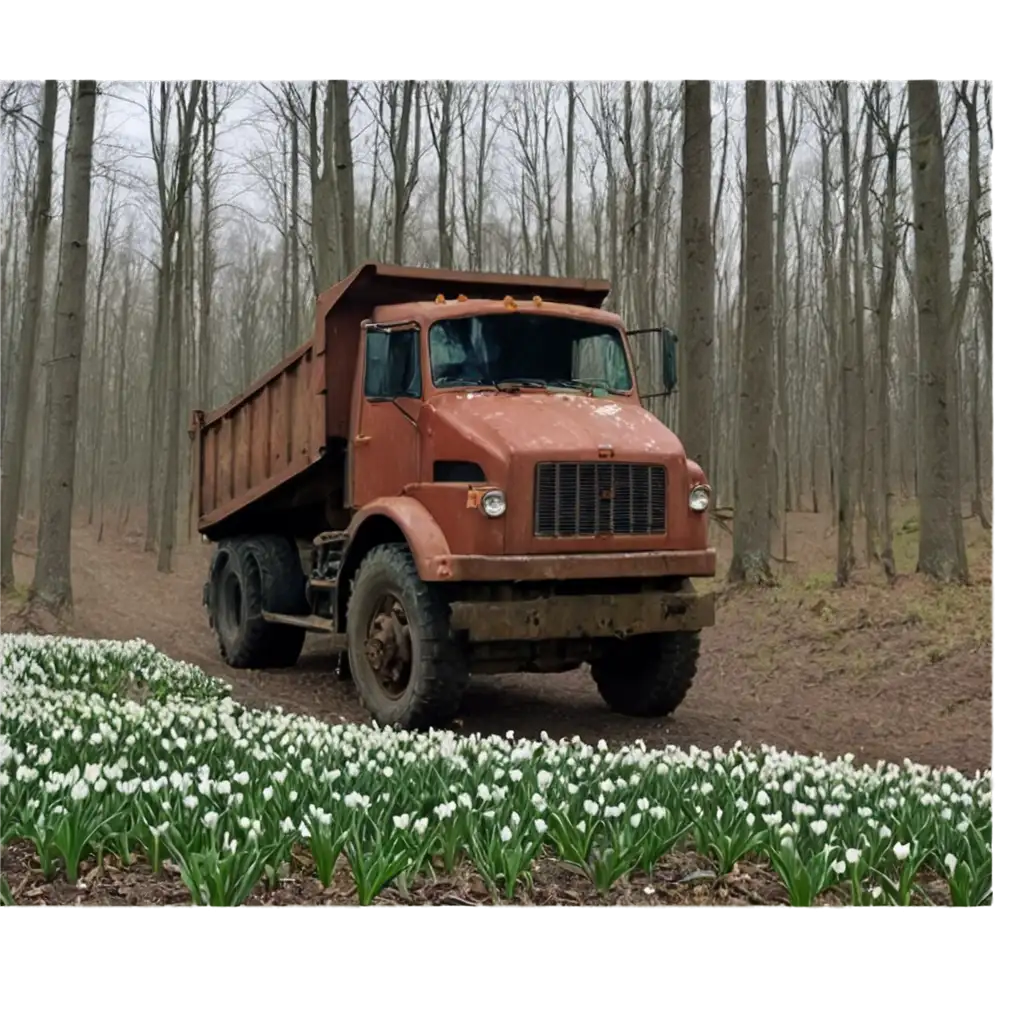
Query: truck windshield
{"type": "Point", "coordinates": [529, 350]}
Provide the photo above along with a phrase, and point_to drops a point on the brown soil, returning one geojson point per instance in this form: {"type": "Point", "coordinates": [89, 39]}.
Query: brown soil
{"type": "Point", "coordinates": [879, 671]}
{"type": "Point", "coordinates": [680, 878]}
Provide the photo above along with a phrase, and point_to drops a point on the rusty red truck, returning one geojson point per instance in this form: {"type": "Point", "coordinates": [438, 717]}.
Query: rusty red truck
{"type": "Point", "coordinates": [455, 474]}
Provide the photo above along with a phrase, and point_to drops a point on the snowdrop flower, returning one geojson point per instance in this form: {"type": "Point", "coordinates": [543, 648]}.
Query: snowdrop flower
{"type": "Point", "coordinates": [884, 832]}
{"type": "Point", "coordinates": [482, 792]}
{"type": "Point", "coordinates": [607, 786]}
{"type": "Point", "coordinates": [506, 834]}
{"type": "Point", "coordinates": [635, 820]}
{"type": "Point", "coordinates": [950, 861]}
{"type": "Point", "coordinates": [901, 851]}
{"type": "Point", "coordinates": [838, 866]}
{"type": "Point", "coordinates": [515, 775]}
{"type": "Point", "coordinates": [963, 826]}
{"type": "Point", "coordinates": [658, 813]}
{"type": "Point", "coordinates": [705, 788]}
{"type": "Point", "coordinates": [819, 828]}
{"type": "Point", "coordinates": [287, 825]}
{"type": "Point", "coordinates": [304, 830]}
{"type": "Point", "coordinates": [444, 811]}
{"type": "Point", "coordinates": [750, 819]}
{"type": "Point", "coordinates": [662, 769]}
{"type": "Point", "coordinates": [516, 819]}
{"type": "Point", "coordinates": [401, 821]}
{"type": "Point", "coordinates": [91, 773]}
{"type": "Point", "coordinates": [210, 819]}
{"type": "Point", "coordinates": [762, 799]}
{"type": "Point", "coordinates": [80, 790]}
{"type": "Point", "coordinates": [544, 780]}
{"type": "Point", "coordinates": [643, 804]}
{"type": "Point", "coordinates": [852, 856]}
{"type": "Point", "coordinates": [772, 819]}
{"type": "Point", "coordinates": [876, 892]}
{"type": "Point", "coordinates": [540, 825]}
{"type": "Point", "coordinates": [101, 784]}
{"type": "Point", "coordinates": [590, 807]}
{"type": "Point", "coordinates": [224, 787]}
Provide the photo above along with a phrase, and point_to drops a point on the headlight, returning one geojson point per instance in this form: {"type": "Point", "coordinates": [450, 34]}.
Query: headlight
{"type": "Point", "coordinates": [700, 498]}
{"type": "Point", "coordinates": [493, 504]}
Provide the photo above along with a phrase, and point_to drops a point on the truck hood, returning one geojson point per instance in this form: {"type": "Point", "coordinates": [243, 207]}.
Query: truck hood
{"type": "Point", "coordinates": [553, 423]}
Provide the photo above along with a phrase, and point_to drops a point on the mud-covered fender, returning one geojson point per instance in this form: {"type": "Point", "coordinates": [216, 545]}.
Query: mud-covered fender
{"type": "Point", "coordinates": [386, 521]}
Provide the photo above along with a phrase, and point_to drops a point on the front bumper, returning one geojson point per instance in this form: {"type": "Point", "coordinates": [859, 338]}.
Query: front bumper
{"type": "Point", "coordinates": [583, 616]}
{"type": "Point", "coordinates": [573, 566]}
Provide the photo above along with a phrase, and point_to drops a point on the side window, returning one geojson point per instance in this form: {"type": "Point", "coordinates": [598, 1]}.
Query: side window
{"type": "Point", "coordinates": [392, 364]}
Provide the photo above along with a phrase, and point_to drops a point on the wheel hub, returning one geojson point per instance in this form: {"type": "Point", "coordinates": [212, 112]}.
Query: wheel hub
{"type": "Point", "coordinates": [388, 646]}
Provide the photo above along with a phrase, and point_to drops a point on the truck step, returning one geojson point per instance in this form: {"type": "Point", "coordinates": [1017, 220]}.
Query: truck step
{"type": "Point", "coordinates": [310, 623]}
{"type": "Point", "coordinates": [322, 584]}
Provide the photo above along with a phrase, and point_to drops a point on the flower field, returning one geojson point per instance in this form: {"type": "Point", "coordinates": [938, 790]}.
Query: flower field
{"type": "Point", "coordinates": [112, 750]}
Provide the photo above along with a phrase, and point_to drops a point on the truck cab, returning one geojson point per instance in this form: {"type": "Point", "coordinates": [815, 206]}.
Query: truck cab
{"type": "Point", "coordinates": [500, 501]}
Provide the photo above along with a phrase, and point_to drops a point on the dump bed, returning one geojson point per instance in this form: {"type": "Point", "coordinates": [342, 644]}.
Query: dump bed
{"type": "Point", "coordinates": [277, 450]}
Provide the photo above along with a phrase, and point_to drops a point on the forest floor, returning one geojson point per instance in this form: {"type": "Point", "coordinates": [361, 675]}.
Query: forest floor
{"type": "Point", "coordinates": [879, 671]}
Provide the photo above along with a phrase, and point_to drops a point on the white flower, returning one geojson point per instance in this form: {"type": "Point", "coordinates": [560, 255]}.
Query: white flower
{"type": "Point", "coordinates": [762, 799]}
{"type": "Point", "coordinates": [963, 826]}
{"type": "Point", "coordinates": [506, 834]}
{"type": "Point", "coordinates": [643, 803]}
{"type": "Point", "coordinates": [838, 866]}
{"type": "Point", "coordinates": [91, 773]}
{"type": "Point", "coordinates": [304, 830]}
{"type": "Point", "coordinates": [223, 787]}
{"type": "Point", "coordinates": [268, 792]}
{"type": "Point", "coordinates": [544, 780]}
{"type": "Point", "coordinates": [750, 820]}
{"type": "Point", "coordinates": [515, 775]}
{"type": "Point", "coordinates": [80, 790]}
{"type": "Point", "coordinates": [901, 851]}
{"type": "Point", "coordinates": [401, 821]}
{"type": "Point", "coordinates": [876, 892]}
{"type": "Point", "coordinates": [540, 825]}
{"type": "Point", "coordinates": [884, 832]}
{"type": "Point", "coordinates": [950, 861]}
{"type": "Point", "coordinates": [705, 788]}
{"type": "Point", "coordinates": [772, 819]}
{"type": "Point", "coordinates": [419, 826]}
{"type": "Point", "coordinates": [635, 820]}
{"type": "Point", "coordinates": [590, 807]}
{"type": "Point", "coordinates": [657, 813]}
{"type": "Point", "coordinates": [210, 819]}
{"type": "Point", "coordinates": [819, 828]}
{"type": "Point", "coordinates": [482, 792]}
{"type": "Point", "coordinates": [852, 856]}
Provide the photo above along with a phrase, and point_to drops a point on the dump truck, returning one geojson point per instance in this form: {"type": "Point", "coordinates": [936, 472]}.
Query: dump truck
{"type": "Point", "coordinates": [456, 475]}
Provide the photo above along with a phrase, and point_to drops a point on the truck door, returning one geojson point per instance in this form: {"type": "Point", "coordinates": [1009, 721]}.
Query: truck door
{"type": "Point", "coordinates": [386, 447]}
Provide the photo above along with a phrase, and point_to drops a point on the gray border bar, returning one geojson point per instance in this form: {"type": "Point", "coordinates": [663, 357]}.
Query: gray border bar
{"type": "Point", "coordinates": [506, 42]}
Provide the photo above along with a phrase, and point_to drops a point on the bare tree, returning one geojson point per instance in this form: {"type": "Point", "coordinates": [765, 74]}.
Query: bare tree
{"type": "Point", "coordinates": [752, 538]}
{"type": "Point", "coordinates": [186, 114]}
{"type": "Point", "coordinates": [345, 175]}
{"type": "Point", "coordinates": [698, 274]}
{"type": "Point", "coordinates": [51, 585]}
{"type": "Point", "coordinates": [570, 172]}
{"type": "Point", "coordinates": [850, 372]}
{"type": "Point", "coordinates": [439, 118]}
{"type": "Point", "coordinates": [23, 356]}
{"type": "Point", "coordinates": [942, 553]}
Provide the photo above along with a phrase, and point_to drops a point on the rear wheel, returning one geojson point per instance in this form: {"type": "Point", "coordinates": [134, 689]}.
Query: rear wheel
{"type": "Point", "coordinates": [647, 676]}
{"type": "Point", "coordinates": [251, 575]}
{"type": "Point", "coordinates": [408, 670]}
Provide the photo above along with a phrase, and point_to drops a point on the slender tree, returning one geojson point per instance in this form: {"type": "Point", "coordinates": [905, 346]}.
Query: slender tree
{"type": "Point", "coordinates": [51, 586]}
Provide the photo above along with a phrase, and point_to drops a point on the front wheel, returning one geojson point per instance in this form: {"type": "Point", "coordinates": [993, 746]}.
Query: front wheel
{"type": "Point", "coordinates": [408, 670]}
{"type": "Point", "coordinates": [647, 676]}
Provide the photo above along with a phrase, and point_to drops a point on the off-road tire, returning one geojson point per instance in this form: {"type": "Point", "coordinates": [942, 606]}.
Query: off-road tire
{"type": "Point", "coordinates": [253, 575]}
{"type": "Point", "coordinates": [647, 676]}
{"type": "Point", "coordinates": [438, 674]}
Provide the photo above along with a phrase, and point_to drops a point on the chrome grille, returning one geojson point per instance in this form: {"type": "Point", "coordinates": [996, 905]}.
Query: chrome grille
{"type": "Point", "coordinates": [587, 499]}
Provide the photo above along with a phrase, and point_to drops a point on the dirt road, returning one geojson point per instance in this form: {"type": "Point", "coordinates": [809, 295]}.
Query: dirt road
{"type": "Point", "coordinates": [880, 672]}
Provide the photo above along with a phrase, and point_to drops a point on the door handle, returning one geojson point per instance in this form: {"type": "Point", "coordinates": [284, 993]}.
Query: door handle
{"type": "Point", "coordinates": [361, 439]}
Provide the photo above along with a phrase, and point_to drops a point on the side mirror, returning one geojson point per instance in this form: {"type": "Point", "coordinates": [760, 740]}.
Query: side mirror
{"type": "Point", "coordinates": [669, 372]}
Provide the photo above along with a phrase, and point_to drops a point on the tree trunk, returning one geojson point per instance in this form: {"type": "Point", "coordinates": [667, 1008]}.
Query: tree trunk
{"type": "Point", "coordinates": [345, 175]}
{"type": "Point", "coordinates": [23, 357]}
{"type": "Point", "coordinates": [698, 275]}
{"type": "Point", "coordinates": [752, 537]}
{"type": "Point", "coordinates": [847, 419]}
{"type": "Point", "coordinates": [51, 586]}
{"type": "Point", "coordinates": [570, 171]}
{"type": "Point", "coordinates": [942, 554]}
